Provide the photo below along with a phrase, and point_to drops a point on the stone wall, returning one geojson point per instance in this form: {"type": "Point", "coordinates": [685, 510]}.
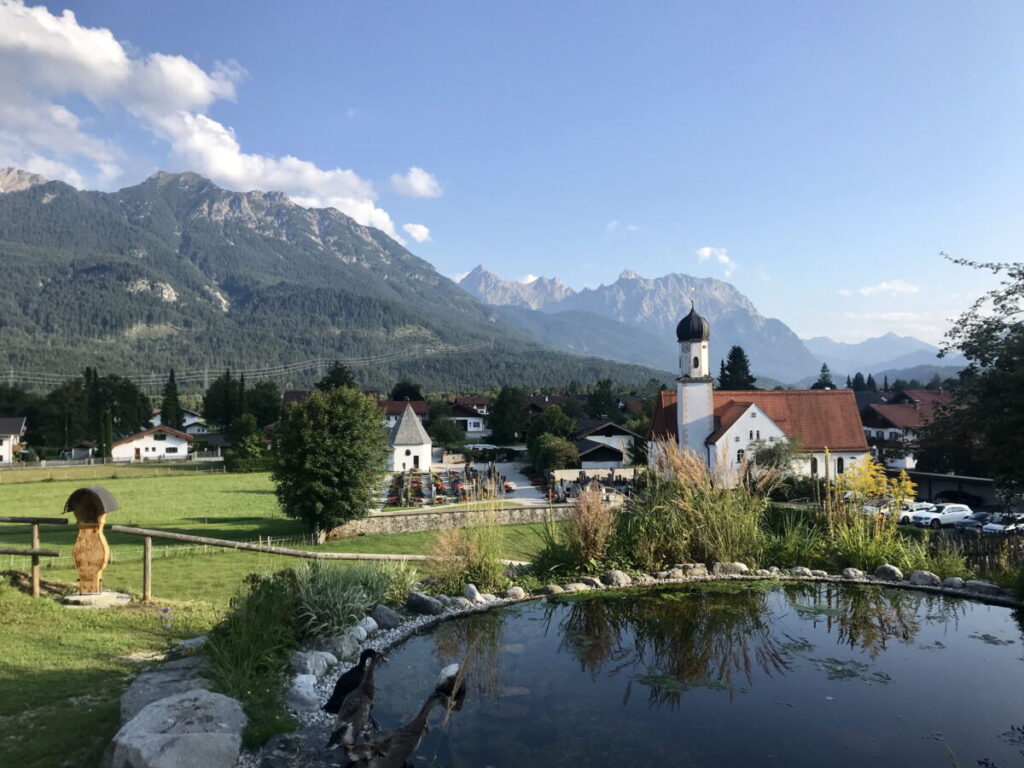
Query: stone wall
{"type": "Point", "coordinates": [434, 519]}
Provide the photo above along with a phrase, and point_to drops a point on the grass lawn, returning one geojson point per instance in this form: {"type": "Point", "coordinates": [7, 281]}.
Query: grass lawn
{"type": "Point", "coordinates": [106, 471]}
{"type": "Point", "coordinates": [63, 670]}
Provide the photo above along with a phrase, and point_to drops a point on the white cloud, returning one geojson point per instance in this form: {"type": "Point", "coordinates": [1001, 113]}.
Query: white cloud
{"type": "Point", "coordinates": [416, 183]}
{"type": "Point", "coordinates": [845, 292]}
{"type": "Point", "coordinates": [417, 232]}
{"type": "Point", "coordinates": [45, 58]}
{"type": "Point", "coordinates": [617, 226]}
{"type": "Point", "coordinates": [458, 276]}
{"type": "Point", "coordinates": [889, 288]}
{"type": "Point", "coordinates": [721, 255]}
{"type": "Point", "coordinates": [527, 279]}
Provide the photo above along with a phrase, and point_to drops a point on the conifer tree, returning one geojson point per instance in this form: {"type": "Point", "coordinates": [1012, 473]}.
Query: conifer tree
{"type": "Point", "coordinates": [170, 405]}
{"type": "Point", "coordinates": [872, 385]}
{"type": "Point", "coordinates": [824, 379]}
{"type": "Point", "coordinates": [859, 385]}
{"type": "Point", "coordinates": [736, 371]}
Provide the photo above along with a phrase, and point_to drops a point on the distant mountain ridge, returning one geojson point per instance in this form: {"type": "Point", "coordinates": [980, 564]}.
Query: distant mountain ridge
{"type": "Point", "coordinates": [656, 305]}
{"type": "Point", "coordinates": [177, 272]}
{"type": "Point", "coordinates": [881, 353]}
{"type": "Point", "coordinates": [533, 294]}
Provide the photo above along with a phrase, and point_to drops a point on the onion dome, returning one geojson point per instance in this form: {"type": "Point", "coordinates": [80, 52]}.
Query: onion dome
{"type": "Point", "coordinates": [693, 327]}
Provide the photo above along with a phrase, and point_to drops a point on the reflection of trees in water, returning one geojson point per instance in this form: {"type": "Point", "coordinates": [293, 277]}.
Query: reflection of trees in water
{"type": "Point", "coordinates": [868, 618]}
{"type": "Point", "coordinates": [475, 643]}
{"type": "Point", "coordinates": [679, 639]}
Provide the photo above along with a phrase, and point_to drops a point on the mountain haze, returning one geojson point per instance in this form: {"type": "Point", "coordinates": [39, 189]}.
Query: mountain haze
{"type": "Point", "coordinates": [886, 353]}
{"type": "Point", "coordinates": [178, 272]}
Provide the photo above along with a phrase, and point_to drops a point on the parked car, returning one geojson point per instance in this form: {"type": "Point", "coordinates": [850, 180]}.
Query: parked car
{"type": "Point", "coordinates": [974, 523]}
{"type": "Point", "coordinates": [908, 509]}
{"type": "Point", "coordinates": [1004, 523]}
{"type": "Point", "coordinates": [958, 497]}
{"type": "Point", "coordinates": [942, 514]}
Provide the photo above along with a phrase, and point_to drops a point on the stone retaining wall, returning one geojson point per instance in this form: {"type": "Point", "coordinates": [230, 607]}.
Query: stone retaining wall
{"type": "Point", "coordinates": [434, 519]}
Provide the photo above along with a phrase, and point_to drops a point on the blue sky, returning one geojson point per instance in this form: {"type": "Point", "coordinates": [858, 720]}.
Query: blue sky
{"type": "Point", "coordinates": [818, 155]}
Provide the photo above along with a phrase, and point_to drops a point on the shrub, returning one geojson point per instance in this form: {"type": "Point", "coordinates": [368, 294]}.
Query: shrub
{"type": "Point", "coordinates": [946, 558]}
{"type": "Point", "coordinates": [867, 542]}
{"type": "Point", "coordinates": [472, 555]}
{"type": "Point", "coordinates": [799, 541]}
{"type": "Point", "coordinates": [249, 652]}
{"type": "Point", "coordinates": [589, 529]}
{"type": "Point", "coordinates": [330, 598]}
{"type": "Point", "coordinates": [555, 556]}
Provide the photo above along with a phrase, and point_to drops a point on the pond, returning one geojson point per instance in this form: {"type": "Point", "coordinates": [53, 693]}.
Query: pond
{"type": "Point", "coordinates": [721, 675]}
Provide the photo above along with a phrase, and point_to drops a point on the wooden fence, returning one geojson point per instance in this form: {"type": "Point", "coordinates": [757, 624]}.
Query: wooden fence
{"type": "Point", "coordinates": [35, 552]}
{"type": "Point", "coordinates": [985, 553]}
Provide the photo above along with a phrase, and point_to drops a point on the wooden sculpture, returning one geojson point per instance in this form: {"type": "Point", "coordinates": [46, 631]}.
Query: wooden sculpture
{"type": "Point", "coordinates": [91, 552]}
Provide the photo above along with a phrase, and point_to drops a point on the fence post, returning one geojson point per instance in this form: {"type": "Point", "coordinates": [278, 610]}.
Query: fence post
{"type": "Point", "coordinates": [35, 560]}
{"type": "Point", "coordinates": [147, 569]}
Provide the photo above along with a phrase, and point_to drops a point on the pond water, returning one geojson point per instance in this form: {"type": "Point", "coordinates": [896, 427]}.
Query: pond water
{"type": "Point", "coordinates": [727, 675]}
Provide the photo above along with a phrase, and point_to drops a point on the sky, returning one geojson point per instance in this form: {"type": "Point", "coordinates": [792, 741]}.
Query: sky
{"type": "Point", "coordinates": [819, 156]}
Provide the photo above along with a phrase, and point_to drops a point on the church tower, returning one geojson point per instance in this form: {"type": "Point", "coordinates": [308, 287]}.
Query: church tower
{"type": "Point", "coordinates": [695, 410]}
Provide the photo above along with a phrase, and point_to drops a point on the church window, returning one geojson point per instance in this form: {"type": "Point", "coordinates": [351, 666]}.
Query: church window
{"type": "Point", "coordinates": [751, 435]}
{"type": "Point", "coordinates": [758, 434]}
{"type": "Point", "coordinates": [739, 456]}
{"type": "Point", "coordinates": [839, 466]}
{"type": "Point", "coordinates": [408, 452]}
{"type": "Point", "coordinates": [814, 466]}
{"type": "Point", "coordinates": [696, 362]}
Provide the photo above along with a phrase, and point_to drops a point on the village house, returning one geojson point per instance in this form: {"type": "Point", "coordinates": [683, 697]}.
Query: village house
{"type": "Point", "coordinates": [153, 444]}
{"type": "Point", "coordinates": [12, 430]}
{"type": "Point", "coordinates": [193, 423]}
{"type": "Point", "coordinates": [410, 445]}
{"type": "Point", "coordinates": [471, 421]}
{"type": "Point", "coordinates": [603, 444]}
{"type": "Point", "coordinates": [723, 427]}
{"type": "Point", "coordinates": [478, 403]}
{"type": "Point", "coordinates": [395, 409]}
{"type": "Point", "coordinates": [892, 428]}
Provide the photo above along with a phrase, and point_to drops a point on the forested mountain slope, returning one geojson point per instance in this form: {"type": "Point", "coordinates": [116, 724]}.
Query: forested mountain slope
{"type": "Point", "coordinates": [179, 272]}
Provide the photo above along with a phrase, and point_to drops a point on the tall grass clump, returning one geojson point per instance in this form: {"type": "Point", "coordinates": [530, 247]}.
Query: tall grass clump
{"type": "Point", "coordinates": [470, 555]}
{"type": "Point", "coordinates": [579, 545]}
{"type": "Point", "coordinates": [249, 652]}
{"type": "Point", "coordinates": [946, 558]}
{"type": "Point", "coordinates": [797, 540]}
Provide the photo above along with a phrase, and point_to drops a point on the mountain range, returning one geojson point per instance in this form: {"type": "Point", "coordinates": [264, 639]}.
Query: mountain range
{"type": "Point", "coordinates": [177, 272]}
{"type": "Point", "coordinates": [879, 354]}
{"type": "Point", "coordinates": [644, 313]}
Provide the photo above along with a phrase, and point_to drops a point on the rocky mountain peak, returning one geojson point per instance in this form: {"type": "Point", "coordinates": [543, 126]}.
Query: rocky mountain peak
{"type": "Point", "coordinates": [16, 180]}
{"type": "Point", "coordinates": [531, 294]}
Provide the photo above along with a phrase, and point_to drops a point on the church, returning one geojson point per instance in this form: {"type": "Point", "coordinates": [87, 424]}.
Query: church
{"type": "Point", "coordinates": [721, 427]}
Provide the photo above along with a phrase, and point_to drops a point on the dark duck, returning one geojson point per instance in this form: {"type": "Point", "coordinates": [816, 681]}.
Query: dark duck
{"type": "Point", "coordinates": [348, 682]}
{"type": "Point", "coordinates": [354, 710]}
{"type": "Point", "coordinates": [392, 750]}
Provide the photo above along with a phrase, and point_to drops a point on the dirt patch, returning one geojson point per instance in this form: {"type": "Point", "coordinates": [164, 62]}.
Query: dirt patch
{"type": "Point", "coordinates": [23, 582]}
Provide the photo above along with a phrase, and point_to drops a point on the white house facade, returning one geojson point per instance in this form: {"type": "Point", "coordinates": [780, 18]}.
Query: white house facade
{"type": "Point", "coordinates": [12, 429]}
{"type": "Point", "coordinates": [153, 444]}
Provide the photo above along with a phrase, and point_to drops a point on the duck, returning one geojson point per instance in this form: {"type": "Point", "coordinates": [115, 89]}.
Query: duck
{"type": "Point", "coordinates": [348, 682]}
{"type": "Point", "coordinates": [354, 710]}
{"type": "Point", "coordinates": [392, 750]}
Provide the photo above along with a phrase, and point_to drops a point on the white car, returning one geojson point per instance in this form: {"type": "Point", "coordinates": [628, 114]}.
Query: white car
{"type": "Point", "coordinates": [910, 507]}
{"type": "Point", "coordinates": [1004, 524]}
{"type": "Point", "coordinates": [942, 514]}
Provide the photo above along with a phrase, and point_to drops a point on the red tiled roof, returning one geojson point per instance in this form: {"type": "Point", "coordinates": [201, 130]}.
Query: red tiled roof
{"type": "Point", "coordinates": [150, 431]}
{"type": "Point", "coordinates": [396, 407]}
{"type": "Point", "coordinates": [819, 418]}
{"type": "Point", "coordinates": [906, 416]}
{"type": "Point", "coordinates": [932, 397]}
{"type": "Point", "coordinates": [470, 400]}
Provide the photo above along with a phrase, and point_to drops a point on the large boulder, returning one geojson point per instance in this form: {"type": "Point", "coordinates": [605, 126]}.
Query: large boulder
{"type": "Point", "coordinates": [617, 579]}
{"type": "Point", "coordinates": [953, 582]}
{"type": "Point", "coordinates": [167, 679]}
{"type": "Point", "coordinates": [729, 569]}
{"type": "Point", "coordinates": [888, 573]}
{"type": "Point", "coordinates": [590, 581]}
{"type": "Point", "coordinates": [417, 602]}
{"type": "Point", "coordinates": [302, 695]}
{"type": "Point", "coordinates": [473, 594]}
{"type": "Point", "coordinates": [514, 593]}
{"type": "Point", "coordinates": [368, 625]}
{"type": "Point", "coordinates": [690, 570]}
{"type": "Point", "coordinates": [576, 586]}
{"type": "Point", "coordinates": [459, 603]}
{"type": "Point", "coordinates": [341, 646]}
{"type": "Point", "coordinates": [852, 573]}
{"type": "Point", "coordinates": [193, 729]}
{"type": "Point", "coordinates": [312, 662]}
{"type": "Point", "coordinates": [385, 617]}
{"type": "Point", "coordinates": [801, 571]}
{"type": "Point", "coordinates": [549, 589]}
{"type": "Point", "coordinates": [982, 587]}
{"type": "Point", "coordinates": [924, 579]}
